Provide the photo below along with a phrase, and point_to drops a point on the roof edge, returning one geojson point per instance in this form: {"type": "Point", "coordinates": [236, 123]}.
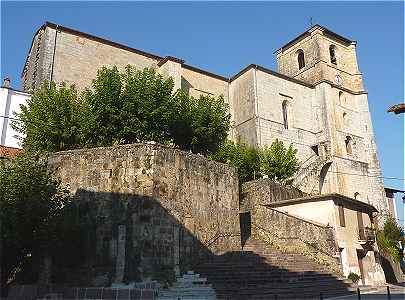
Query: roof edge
{"type": "Point", "coordinates": [323, 198]}
{"type": "Point", "coordinates": [271, 72]}
{"type": "Point", "coordinates": [309, 31]}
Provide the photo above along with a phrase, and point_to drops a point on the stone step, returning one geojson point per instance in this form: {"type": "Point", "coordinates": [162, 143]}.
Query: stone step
{"type": "Point", "coordinates": [253, 269]}
{"type": "Point", "coordinates": [270, 279]}
{"type": "Point", "coordinates": [260, 272]}
{"type": "Point", "coordinates": [283, 294]}
{"type": "Point", "coordinates": [263, 285]}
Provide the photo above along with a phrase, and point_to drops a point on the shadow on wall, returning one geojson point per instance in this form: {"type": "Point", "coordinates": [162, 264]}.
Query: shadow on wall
{"type": "Point", "coordinates": [391, 269]}
{"type": "Point", "coordinates": [133, 238]}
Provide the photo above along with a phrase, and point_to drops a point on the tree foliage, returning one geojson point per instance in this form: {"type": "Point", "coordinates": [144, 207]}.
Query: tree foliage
{"type": "Point", "coordinates": [278, 162]}
{"type": "Point", "coordinates": [389, 239]}
{"type": "Point", "coordinates": [120, 108]}
{"type": "Point", "coordinates": [31, 202]}
{"type": "Point", "coordinates": [245, 158]}
{"type": "Point", "coordinates": [50, 120]}
{"type": "Point", "coordinates": [38, 218]}
{"type": "Point", "coordinates": [200, 125]}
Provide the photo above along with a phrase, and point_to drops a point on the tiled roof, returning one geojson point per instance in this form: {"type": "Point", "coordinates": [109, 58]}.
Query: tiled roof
{"type": "Point", "coordinates": [9, 151]}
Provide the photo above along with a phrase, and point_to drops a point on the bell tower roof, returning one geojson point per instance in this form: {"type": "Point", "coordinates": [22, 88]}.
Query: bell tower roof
{"type": "Point", "coordinates": [324, 31]}
{"type": "Point", "coordinates": [320, 55]}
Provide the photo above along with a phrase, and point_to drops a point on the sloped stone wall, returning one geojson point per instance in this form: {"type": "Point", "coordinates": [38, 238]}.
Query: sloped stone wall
{"type": "Point", "coordinates": [287, 227]}
{"type": "Point", "coordinates": [281, 230]}
{"type": "Point", "coordinates": [157, 210]}
{"type": "Point", "coordinates": [265, 191]}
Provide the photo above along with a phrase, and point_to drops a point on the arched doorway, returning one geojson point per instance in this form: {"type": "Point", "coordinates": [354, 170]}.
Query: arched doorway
{"type": "Point", "coordinates": [322, 176]}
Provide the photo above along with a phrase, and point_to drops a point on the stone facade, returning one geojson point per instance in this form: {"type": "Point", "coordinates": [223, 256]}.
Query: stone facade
{"type": "Point", "coordinates": [326, 104]}
{"type": "Point", "coordinates": [265, 191]}
{"type": "Point", "coordinates": [157, 209]}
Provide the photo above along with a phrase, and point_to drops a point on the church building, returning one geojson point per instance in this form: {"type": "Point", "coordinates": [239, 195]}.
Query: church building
{"type": "Point", "coordinates": [315, 101]}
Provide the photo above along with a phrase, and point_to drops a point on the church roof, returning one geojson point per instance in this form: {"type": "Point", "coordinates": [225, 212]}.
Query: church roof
{"type": "Point", "coordinates": [308, 33]}
{"type": "Point", "coordinates": [9, 152]}
{"type": "Point", "coordinates": [161, 59]}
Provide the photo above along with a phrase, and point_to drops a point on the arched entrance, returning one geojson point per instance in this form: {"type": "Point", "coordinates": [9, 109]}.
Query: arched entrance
{"type": "Point", "coordinates": [322, 175]}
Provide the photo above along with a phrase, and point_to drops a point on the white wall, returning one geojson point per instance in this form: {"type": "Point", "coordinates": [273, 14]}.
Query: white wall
{"type": "Point", "coordinates": [10, 101]}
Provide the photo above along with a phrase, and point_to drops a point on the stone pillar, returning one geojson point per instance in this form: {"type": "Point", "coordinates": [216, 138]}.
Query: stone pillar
{"type": "Point", "coordinates": [46, 270]}
{"type": "Point", "coordinates": [120, 262]}
{"type": "Point", "coordinates": [176, 249]}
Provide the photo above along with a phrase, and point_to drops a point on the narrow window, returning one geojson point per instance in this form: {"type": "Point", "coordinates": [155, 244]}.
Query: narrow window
{"type": "Point", "coordinates": [342, 99]}
{"type": "Point", "coordinates": [348, 143]}
{"type": "Point", "coordinates": [360, 225]}
{"type": "Point", "coordinates": [341, 215]}
{"type": "Point", "coordinates": [301, 59]}
{"type": "Point", "coordinates": [285, 114]}
{"type": "Point", "coordinates": [332, 53]}
{"type": "Point", "coordinates": [344, 118]}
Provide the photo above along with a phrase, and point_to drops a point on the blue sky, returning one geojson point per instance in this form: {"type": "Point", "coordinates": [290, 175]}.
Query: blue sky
{"type": "Point", "coordinates": [225, 37]}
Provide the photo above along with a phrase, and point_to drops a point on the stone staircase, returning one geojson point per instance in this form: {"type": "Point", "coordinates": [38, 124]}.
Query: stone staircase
{"type": "Point", "coordinates": [261, 272]}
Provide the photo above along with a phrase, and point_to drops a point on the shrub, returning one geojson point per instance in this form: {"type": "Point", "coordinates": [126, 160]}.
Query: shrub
{"type": "Point", "coordinates": [353, 277]}
{"type": "Point", "coordinates": [278, 162]}
{"type": "Point", "coordinates": [389, 239]}
{"type": "Point", "coordinates": [245, 158]}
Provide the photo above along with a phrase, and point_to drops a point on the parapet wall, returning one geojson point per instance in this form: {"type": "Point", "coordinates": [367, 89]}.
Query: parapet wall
{"type": "Point", "coordinates": [265, 191]}
{"type": "Point", "coordinates": [286, 227]}
{"type": "Point", "coordinates": [157, 208]}
{"type": "Point", "coordinates": [286, 232]}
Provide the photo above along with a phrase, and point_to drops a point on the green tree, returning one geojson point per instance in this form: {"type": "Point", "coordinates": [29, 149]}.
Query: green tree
{"type": "Point", "coordinates": [278, 162]}
{"type": "Point", "coordinates": [31, 202]}
{"type": "Point", "coordinates": [389, 239]}
{"type": "Point", "coordinates": [199, 125]}
{"type": "Point", "coordinates": [127, 107]}
{"type": "Point", "coordinates": [50, 119]}
{"type": "Point", "coordinates": [245, 158]}
{"type": "Point", "coordinates": [120, 108]}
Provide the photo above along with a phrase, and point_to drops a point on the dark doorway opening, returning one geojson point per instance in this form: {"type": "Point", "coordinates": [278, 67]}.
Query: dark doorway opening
{"type": "Point", "coordinates": [245, 221]}
{"type": "Point", "coordinates": [360, 255]}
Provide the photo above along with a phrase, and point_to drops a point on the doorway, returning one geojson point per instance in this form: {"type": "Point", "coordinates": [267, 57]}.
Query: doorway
{"type": "Point", "coordinates": [360, 256]}
{"type": "Point", "coordinates": [245, 222]}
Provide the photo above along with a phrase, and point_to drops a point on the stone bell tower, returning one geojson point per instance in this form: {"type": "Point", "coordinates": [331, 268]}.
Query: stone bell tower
{"type": "Point", "coordinates": [320, 55]}
{"type": "Point", "coordinates": [328, 61]}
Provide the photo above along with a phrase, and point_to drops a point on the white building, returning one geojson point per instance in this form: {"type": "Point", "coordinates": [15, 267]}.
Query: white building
{"type": "Point", "coordinates": [10, 101]}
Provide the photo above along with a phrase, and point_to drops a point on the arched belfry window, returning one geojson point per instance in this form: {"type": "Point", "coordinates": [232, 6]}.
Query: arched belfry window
{"type": "Point", "coordinates": [301, 59]}
{"type": "Point", "coordinates": [332, 53]}
{"type": "Point", "coordinates": [348, 143]}
{"type": "Point", "coordinates": [345, 119]}
{"type": "Point", "coordinates": [342, 98]}
{"type": "Point", "coordinates": [285, 114]}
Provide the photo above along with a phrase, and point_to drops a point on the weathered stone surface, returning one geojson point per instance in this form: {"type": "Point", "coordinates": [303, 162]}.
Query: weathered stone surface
{"type": "Point", "coordinates": [320, 110]}
{"type": "Point", "coordinates": [265, 191]}
{"type": "Point", "coordinates": [284, 231]}
{"type": "Point", "coordinates": [166, 204]}
{"type": "Point", "coordinates": [287, 227]}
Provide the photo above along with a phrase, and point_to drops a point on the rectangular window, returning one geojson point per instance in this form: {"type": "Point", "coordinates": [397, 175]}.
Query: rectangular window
{"type": "Point", "coordinates": [341, 215]}
{"type": "Point", "coordinates": [360, 225]}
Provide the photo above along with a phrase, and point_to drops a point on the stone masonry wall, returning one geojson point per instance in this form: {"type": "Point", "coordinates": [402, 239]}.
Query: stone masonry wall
{"type": "Point", "coordinates": [265, 191]}
{"type": "Point", "coordinates": [158, 210]}
{"type": "Point", "coordinates": [287, 227]}
{"type": "Point", "coordinates": [294, 235]}
{"type": "Point", "coordinates": [283, 231]}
